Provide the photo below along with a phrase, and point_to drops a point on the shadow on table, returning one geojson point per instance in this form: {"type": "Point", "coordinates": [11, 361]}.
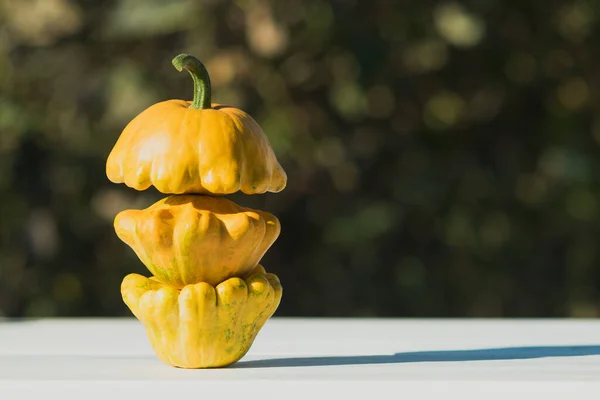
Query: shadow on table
{"type": "Point", "coordinates": [507, 353]}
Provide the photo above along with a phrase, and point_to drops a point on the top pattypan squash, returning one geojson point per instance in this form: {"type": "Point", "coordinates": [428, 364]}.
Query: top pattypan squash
{"type": "Point", "coordinates": [195, 147]}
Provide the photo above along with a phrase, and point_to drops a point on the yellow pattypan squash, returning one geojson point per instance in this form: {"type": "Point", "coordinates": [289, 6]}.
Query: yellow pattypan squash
{"type": "Point", "coordinates": [201, 326]}
{"type": "Point", "coordinates": [186, 239]}
{"type": "Point", "coordinates": [195, 147]}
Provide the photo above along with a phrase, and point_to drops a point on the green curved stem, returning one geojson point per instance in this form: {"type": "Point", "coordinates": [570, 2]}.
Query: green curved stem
{"type": "Point", "coordinates": [200, 76]}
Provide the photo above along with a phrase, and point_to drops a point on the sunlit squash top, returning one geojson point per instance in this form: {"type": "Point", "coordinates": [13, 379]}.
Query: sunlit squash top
{"type": "Point", "coordinates": [195, 147]}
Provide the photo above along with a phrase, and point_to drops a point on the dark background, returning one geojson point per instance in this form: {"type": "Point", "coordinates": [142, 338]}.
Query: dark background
{"type": "Point", "coordinates": [443, 157]}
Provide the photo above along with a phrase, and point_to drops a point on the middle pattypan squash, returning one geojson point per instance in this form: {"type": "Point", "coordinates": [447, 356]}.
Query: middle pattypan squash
{"type": "Point", "coordinates": [186, 239]}
{"type": "Point", "coordinates": [195, 147]}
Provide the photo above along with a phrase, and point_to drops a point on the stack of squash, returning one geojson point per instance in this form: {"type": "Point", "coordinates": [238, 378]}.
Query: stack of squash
{"type": "Point", "coordinates": [208, 296]}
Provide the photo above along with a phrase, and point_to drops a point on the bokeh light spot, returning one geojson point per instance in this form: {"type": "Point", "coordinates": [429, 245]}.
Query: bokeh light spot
{"type": "Point", "coordinates": [457, 25]}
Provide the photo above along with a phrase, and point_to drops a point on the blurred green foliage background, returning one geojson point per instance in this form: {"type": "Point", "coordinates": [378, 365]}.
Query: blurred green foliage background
{"type": "Point", "coordinates": [443, 156]}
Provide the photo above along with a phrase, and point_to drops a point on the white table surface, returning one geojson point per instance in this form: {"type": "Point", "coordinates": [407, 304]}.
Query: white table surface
{"type": "Point", "coordinates": [322, 358]}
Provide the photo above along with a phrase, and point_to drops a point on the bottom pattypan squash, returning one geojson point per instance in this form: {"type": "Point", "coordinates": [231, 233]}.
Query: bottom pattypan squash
{"type": "Point", "coordinates": [202, 326]}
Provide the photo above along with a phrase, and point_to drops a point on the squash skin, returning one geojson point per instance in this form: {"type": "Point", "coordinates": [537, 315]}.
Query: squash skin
{"type": "Point", "coordinates": [178, 149]}
{"type": "Point", "coordinates": [186, 239]}
{"type": "Point", "coordinates": [201, 326]}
